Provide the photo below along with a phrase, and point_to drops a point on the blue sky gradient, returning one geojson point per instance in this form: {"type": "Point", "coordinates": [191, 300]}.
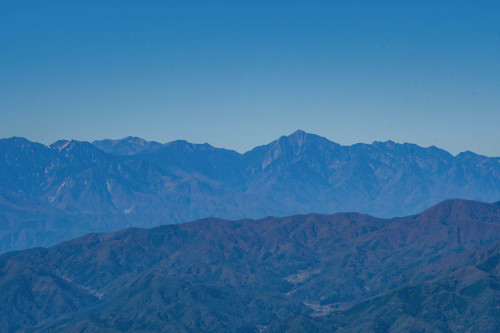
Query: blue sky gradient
{"type": "Point", "coordinates": [238, 74]}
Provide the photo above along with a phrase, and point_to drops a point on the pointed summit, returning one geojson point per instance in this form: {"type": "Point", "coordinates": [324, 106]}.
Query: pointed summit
{"type": "Point", "coordinates": [300, 138]}
{"type": "Point", "coordinates": [298, 133]}
{"type": "Point", "coordinates": [287, 150]}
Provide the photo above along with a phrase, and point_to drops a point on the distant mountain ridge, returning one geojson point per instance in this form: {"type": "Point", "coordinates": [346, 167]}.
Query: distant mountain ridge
{"type": "Point", "coordinates": [56, 192]}
{"type": "Point", "coordinates": [436, 271]}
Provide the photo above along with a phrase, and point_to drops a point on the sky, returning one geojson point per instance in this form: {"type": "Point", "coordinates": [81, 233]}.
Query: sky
{"type": "Point", "coordinates": [238, 74]}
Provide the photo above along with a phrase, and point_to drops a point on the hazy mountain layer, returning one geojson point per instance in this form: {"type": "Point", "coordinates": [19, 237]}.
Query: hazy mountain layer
{"type": "Point", "coordinates": [438, 271]}
{"type": "Point", "coordinates": [48, 194]}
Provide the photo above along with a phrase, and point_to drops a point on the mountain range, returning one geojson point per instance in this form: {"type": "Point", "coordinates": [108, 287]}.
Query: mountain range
{"type": "Point", "coordinates": [70, 188]}
{"type": "Point", "coordinates": [436, 271]}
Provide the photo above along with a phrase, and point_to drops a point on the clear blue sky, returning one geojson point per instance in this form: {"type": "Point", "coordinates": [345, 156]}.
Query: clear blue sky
{"type": "Point", "coordinates": [238, 74]}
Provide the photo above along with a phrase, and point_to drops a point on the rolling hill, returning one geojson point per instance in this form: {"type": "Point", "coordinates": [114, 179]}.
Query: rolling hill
{"type": "Point", "coordinates": [437, 271]}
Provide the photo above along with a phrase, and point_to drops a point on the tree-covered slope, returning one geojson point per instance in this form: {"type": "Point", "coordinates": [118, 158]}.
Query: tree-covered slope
{"type": "Point", "coordinates": [343, 270]}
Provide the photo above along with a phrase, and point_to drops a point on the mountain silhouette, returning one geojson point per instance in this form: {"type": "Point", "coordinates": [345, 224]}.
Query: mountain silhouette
{"type": "Point", "coordinates": [57, 192]}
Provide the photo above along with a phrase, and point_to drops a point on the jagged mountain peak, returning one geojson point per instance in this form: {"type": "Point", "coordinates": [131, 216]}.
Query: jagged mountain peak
{"type": "Point", "coordinates": [184, 144]}
{"type": "Point", "coordinates": [467, 152]}
{"type": "Point", "coordinates": [135, 139]}
{"type": "Point", "coordinates": [129, 145]}
{"type": "Point", "coordinates": [469, 155]}
{"type": "Point", "coordinates": [300, 138]}
{"type": "Point", "coordinates": [18, 140]}
{"type": "Point", "coordinates": [188, 147]}
{"type": "Point", "coordinates": [73, 145]}
{"type": "Point", "coordinates": [299, 142]}
{"type": "Point", "coordinates": [387, 143]}
{"type": "Point", "coordinates": [405, 146]}
{"type": "Point", "coordinates": [21, 143]}
{"type": "Point", "coordinates": [298, 173]}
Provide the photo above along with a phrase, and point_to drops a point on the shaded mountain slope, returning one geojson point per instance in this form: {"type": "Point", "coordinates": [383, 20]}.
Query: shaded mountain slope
{"type": "Point", "coordinates": [133, 182]}
{"type": "Point", "coordinates": [218, 275]}
{"type": "Point", "coordinates": [465, 300]}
